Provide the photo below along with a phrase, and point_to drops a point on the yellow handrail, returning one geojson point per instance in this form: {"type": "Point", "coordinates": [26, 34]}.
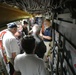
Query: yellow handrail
{"type": "Point", "coordinates": [8, 14]}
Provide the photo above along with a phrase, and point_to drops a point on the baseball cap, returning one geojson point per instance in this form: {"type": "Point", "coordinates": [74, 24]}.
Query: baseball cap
{"type": "Point", "coordinates": [11, 25]}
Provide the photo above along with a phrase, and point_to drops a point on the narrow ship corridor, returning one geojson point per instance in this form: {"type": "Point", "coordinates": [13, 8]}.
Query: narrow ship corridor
{"type": "Point", "coordinates": [61, 55]}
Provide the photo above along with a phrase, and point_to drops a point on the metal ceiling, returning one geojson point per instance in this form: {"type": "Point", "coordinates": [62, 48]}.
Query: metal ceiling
{"type": "Point", "coordinates": [39, 6]}
{"type": "Point", "coordinates": [35, 6]}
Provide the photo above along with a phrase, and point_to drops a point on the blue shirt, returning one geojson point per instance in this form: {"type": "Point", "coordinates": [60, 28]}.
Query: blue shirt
{"type": "Point", "coordinates": [48, 32]}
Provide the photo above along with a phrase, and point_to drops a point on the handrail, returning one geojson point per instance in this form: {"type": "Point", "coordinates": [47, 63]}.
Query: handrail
{"type": "Point", "coordinates": [61, 50]}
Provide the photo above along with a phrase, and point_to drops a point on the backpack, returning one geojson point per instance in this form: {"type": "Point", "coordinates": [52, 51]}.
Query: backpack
{"type": "Point", "coordinates": [40, 49]}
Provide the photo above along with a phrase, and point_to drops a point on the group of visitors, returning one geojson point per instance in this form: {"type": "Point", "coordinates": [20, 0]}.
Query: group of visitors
{"type": "Point", "coordinates": [26, 52]}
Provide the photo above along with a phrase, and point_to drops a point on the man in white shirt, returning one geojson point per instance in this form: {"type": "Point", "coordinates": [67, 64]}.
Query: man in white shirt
{"type": "Point", "coordinates": [10, 45]}
{"type": "Point", "coordinates": [28, 63]}
{"type": "Point", "coordinates": [40, 47]}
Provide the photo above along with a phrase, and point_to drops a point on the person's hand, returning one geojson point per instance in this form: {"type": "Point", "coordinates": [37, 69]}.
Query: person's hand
{"type": "Point", "coordinates": [41, 34]}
